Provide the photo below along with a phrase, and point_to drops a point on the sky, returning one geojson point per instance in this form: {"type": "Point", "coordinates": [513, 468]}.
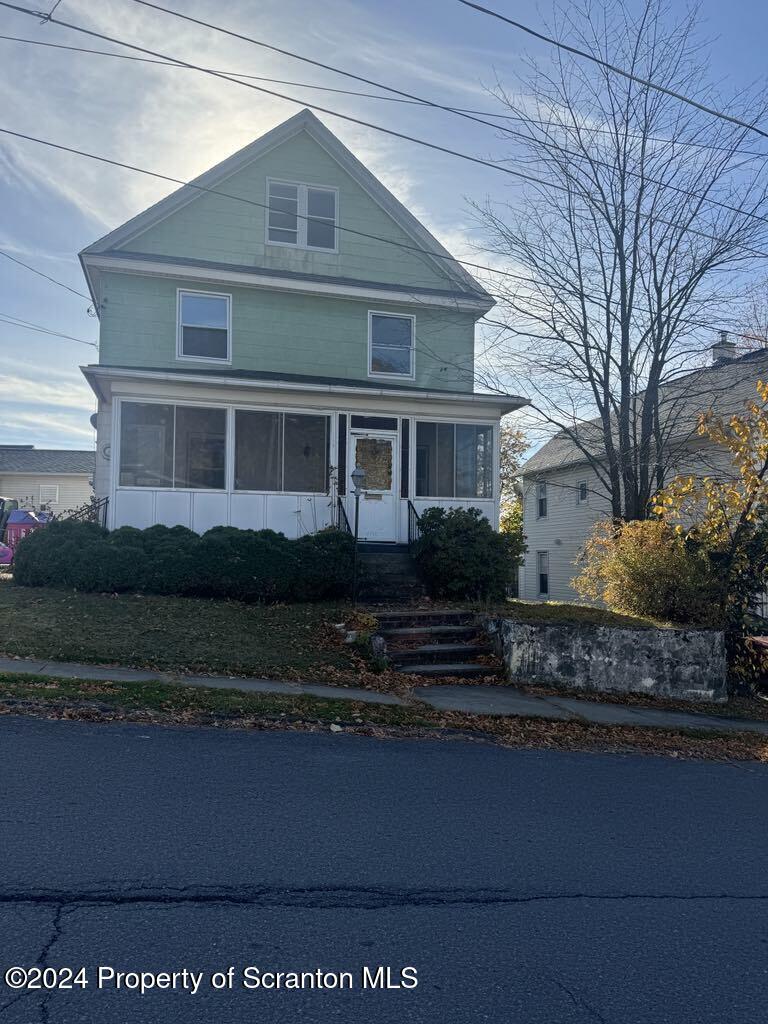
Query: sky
{"type": "Point", "coordinates": [180, 122]}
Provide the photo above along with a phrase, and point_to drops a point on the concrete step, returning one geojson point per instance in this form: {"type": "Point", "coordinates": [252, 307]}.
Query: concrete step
{"type": "Point", "coordinates": [397, 619]}
{"type": "Point", "coordinates": [458, 669]}
{"type": "Point", "coordinates": [447, 631]}
{"type": "Point", "coordinates": [460, 653]}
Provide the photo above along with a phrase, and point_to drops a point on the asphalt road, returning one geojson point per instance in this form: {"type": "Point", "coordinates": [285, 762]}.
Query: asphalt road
{"type": "Point", "coordinates": [524, 886]}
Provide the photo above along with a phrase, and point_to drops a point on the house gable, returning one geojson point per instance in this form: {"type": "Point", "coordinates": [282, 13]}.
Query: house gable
{"type": "Point", "coordinates": [196, 225]}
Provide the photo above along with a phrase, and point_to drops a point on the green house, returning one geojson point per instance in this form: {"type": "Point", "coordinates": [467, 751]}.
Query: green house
{"type": "Point", "coordinates": [271, 326]}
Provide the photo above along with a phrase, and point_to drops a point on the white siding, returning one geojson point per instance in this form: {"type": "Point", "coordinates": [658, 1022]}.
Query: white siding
{"type": "Point", "coordinates": [74, 490]}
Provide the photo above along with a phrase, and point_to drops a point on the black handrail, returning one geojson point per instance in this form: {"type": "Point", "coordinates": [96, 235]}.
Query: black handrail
{"type": "Point", "coordinates": [93, 512]}
{"type": "Point", "coordinates": [414, 525]}
{"type": "Point", "coordinates": [343, 522]}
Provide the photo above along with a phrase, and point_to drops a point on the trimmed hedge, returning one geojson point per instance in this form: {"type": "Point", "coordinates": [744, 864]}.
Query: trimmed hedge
{"type": "Point", "coordinates": [460, 555]}
{"type": "Point", "coordinates": [247, 565]}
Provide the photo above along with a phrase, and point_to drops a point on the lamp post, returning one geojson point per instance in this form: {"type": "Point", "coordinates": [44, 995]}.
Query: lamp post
{"type": "Point", "coordinates": [358, 487]}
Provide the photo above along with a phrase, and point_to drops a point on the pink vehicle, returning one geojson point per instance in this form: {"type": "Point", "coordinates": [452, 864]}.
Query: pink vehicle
{"type": "Point", "coordinates": [20, 523]}
{"type": "Point", "coordinates": [6, 554]}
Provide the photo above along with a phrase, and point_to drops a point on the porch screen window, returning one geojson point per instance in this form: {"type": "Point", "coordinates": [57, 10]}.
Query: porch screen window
{"type": "Point", "coordinates": [301, 215]}
{"type": "Point", "coordinates": [203, 331]}
{"type": "Point", "coordinates": [391, 345]}
{"type": "Point", "coordinates": [277, 451]}
{"type": "Point", "coordinates": [542, 568]}
{"type": "Point", "coordinates": [172, 446]}
{"type": "Point", "coordinates": [454, 460]}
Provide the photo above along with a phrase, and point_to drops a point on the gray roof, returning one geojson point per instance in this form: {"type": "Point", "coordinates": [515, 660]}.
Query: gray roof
{"type": "Point", "coordinates": [42, 461]}
{"type": "Point", "coordinates": [723, 387]}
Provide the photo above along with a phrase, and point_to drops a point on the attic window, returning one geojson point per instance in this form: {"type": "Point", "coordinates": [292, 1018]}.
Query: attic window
{"type": "Point", "coordinates": [203, 326]}
{"type": "Point", "coordinates": [303, 216]}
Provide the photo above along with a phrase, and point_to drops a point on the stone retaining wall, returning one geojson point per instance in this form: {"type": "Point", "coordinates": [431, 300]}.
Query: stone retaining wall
{"type": "Point", "coordinates": [681, 663]}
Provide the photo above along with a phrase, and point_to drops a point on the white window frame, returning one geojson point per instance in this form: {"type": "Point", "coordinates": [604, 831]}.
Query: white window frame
{"type": "Point", "coordinates": [579, 485]}
{"type": "Point", "coordinates": [539, 574]}
{"type": "Point", "coordinates": [542, 486]}
{"type": "Point", "coordinates": [179, 327]}
{"type": "Point", "coordinates": [391, 376]}
{"type": "Point", "coordinates": [302, 220]}
{"type": "Point", "coordinates": [49, 501]}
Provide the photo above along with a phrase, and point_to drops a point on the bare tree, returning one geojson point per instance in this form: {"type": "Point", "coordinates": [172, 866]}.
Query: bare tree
{"type": "Point", "coordinates": [649, 217]}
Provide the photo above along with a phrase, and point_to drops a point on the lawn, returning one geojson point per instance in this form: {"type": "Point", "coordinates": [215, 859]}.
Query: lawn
{"type": "Point", "coordinates": [561, 612]}
{"type": "Point", "coordinates": [183, 634]}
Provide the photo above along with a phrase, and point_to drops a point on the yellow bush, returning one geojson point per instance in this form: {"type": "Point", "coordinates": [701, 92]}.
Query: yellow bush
{"type": "Point", "coordinates": [646, 568]}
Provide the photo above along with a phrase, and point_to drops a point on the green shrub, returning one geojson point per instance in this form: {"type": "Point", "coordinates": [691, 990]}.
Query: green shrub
{"type": "Point", "coordinates": [246, 565]}
{"type": "Point", "coordinates": [646, 568]}
{"type": "Point", "coordinates": [460, 555]}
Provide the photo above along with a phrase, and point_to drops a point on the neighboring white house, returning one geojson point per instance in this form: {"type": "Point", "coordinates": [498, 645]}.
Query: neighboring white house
{"type": "Point", "coordinates": [562, 494]}
{"type": "Point", "coordinates": [57, 480]}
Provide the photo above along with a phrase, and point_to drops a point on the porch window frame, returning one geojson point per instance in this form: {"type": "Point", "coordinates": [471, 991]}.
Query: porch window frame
{"type": "Point", "coordinates": [302, 215]}
{"type": "Point", "coordinates": [180, 325]}
{"type": "Point", "coordinates": [492, 425]}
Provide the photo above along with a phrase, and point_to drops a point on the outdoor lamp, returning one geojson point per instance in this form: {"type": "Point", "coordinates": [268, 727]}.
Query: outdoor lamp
{"type": "Point", "coordinates": [358, 479]}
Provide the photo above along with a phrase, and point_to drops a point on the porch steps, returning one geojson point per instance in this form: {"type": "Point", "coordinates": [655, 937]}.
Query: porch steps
{"type": "Point", "coordinates": [436, 643]}
{"type": "Point", "coordinates": [388, 575]}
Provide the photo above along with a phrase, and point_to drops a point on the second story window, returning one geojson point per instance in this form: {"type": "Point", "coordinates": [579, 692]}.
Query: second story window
{"type": "Point", "coordinates": [203, 327]}
{"type": "Point", "coordinates": [390, 345]}
{"type": "Point", "coordinates": [541, 500]}
{"type": "Point", "coordinates": [301, 215]}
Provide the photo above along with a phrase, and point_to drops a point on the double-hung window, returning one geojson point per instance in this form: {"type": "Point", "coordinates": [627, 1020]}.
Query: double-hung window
{"type": "Point", "coordinates": [390, 345]}
{"type": "Point", "coordinates": [542, 569]}
{"type": "Point", "coordinates": [541, 500]}
{"type": "Point", "coordinates": [303, 216]}
{"type": "Point", "coordinates": [203, 331]}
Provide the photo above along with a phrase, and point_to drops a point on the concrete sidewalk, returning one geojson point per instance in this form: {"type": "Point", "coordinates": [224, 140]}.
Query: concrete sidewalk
{"type": "Point", "coordinates": [476, 700]}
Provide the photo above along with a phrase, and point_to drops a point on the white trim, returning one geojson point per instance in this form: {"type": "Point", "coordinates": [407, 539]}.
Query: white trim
{"type": "Point", "coordinates": [501, 404]}
{"type": "Point", "coordinates": [306, 121]}
{"type": "Point", "coordinates": [302, 210]}
{"type": "Point", "coordinates": [377, 375]}
{"type": "Point", "coordinates": [144, 267]}
{"type": "Point", "coordinates": [180, 355]}
{"type": "Point", "coordinates": [49, 501]}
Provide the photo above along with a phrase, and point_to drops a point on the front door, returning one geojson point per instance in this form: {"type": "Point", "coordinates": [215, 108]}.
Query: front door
{"type": "Point", "coordinates": [375, 454]}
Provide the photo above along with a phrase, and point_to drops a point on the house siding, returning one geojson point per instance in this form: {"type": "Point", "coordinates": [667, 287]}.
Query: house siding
{"type": "Point", "coordinates": [281, 333]}
{"type": "Point", "coordinates": [74, 490]}
{"type": "Point", "coordinates": [213, 227]}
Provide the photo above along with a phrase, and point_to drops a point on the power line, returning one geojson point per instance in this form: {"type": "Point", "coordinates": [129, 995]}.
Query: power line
{"type": "Point", "coordinates": [39, 273]}
{"type": "Point", "coordinates": [388, 99]}
{"type": "Point", "coordinates": [228, 76]}
{"type": "Point", "coordinates": [610, 67]}
{"type": "Point", "coordinates": [13, 321]}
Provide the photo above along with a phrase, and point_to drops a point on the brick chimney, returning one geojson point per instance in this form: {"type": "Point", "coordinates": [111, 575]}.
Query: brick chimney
{"type": "Point", "coordinates": [723, 351]}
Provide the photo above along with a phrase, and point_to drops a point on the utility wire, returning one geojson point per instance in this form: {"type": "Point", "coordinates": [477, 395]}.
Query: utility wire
{"type": "Point", "coordinates": [609, 67]}
{"type": "Point", "coordinates": [228, 75]}
{"type": "Point", "coordinates": [388, 99]}
{"type": "Point", "coordinates": [39, 273]}
{"type": "Point", "coordinates": [13, 321]}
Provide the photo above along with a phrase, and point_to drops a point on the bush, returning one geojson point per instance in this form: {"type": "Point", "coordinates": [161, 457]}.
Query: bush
{"type": "Point", "coordinates": [646, 568]}
{"type": "Point", "coordinates": [460, 555]}
{"type": "Point", "coordinates": [246, 565]}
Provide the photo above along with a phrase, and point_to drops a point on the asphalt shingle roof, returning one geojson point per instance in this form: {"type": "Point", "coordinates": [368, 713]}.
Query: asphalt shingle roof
{"type": "Point", "coordinates": [46, 461]}
{"type": "Point", "coordinates": [723, 387]}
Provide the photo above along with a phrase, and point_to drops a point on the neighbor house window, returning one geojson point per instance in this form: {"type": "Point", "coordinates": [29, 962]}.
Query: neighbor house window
{"type": "Point", "coordinates": [204, 326]}
{"type": "Point", "coordinates": [541, 500]}
{"type": "Point", "coordinates": [542, 568]}
{"type": "Point", "coordinates": [454, 460]}
{"type": "Point", "coordinates": [301, 215]}
{"type": "Point", "coordinates": [582, 491]}
{"type": "Point", "coordinates": [390, 345]}
{"type": "Point", "coordinates": [277, 451]}
{"type": "Point", "coordinates": [49, 494]}
{"type": "Point", "coordinates": [172, 446]}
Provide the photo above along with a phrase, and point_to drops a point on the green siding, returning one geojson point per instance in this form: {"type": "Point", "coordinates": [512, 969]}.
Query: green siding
{"type": "Point", "coordinates": [215, 228]}
{"type": "Point", "coordinates": [280, 332]}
